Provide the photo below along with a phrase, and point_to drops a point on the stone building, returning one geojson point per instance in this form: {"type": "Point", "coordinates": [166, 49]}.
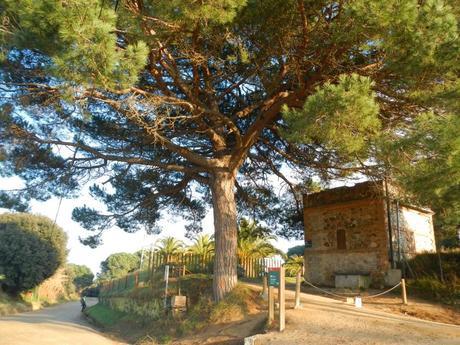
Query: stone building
{"type": "Point", "coordinates": [348, 231]}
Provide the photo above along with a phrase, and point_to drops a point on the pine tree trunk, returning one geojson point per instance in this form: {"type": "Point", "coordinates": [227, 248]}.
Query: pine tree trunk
{"type": "Point", "coordinates": [225, 233]}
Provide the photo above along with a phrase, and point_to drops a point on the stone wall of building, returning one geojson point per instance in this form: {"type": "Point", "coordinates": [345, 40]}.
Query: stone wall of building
{"type": "Point", "coordinates": [416, 232]}
{"type": "Point", "coordinates": [349, 232]}
{"type": "Point", "coordinates": [321, 269]}
{"type": "Point", "coordinates": [360, 191]}
{"type": "Point", "coordinates": [347, 238]}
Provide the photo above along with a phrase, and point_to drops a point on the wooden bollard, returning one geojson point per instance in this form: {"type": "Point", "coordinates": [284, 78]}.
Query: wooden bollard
{"type": "Point", "coordinates": [264, 287]}
{"type": "Point", "coordinates": [297, 290]}
{"type": "Point", "coordinates": [282, 299]}
{"type": "Point", "coordinates": [403, 291]}
{"type": "Point", "coordinates": [271, 305]}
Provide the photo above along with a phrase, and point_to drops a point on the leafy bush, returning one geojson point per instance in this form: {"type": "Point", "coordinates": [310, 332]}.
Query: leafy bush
{"type": "Point", "coordinates": [80, 275]}
{"type": "Point", "coordinates": [425, 271]}
{"type": "Point", "coordinates": [235, 305]}
{"type": "Point", "coordinates": [32, 248]}
{"type": "Point", "coordinates": [91, 291]}
{"type": "Point", "coordinates": [118, 265]}
{"type": "Point", "coordinates": [427, 265]}
{"type": "Point", "coordinates": [293, 265]}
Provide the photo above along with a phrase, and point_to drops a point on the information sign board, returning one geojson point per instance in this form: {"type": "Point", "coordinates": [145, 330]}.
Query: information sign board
{"type": "Point", "coordinates": [274, 277]}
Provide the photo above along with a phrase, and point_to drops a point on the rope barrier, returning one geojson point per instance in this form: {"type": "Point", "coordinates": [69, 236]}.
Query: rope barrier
{"type": "Point", "coordinates": [346, 296]}
{"type": "Point", "coordinates": [325, 291]}
{"type": "Point", "coordinates": [382, 293]}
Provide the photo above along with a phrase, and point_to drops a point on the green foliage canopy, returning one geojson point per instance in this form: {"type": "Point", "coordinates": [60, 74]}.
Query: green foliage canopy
{"type": "Point", "coordinates": [80, 275]}
{"type": "Point", "coordinates": [254, 241]}
{"type": "Point", "coordinates": [192, 86]}
{"type": "Point", "coordinates": [118, 265]}
{"type": "Point", "coordinates": [171, 99]}
{"type": "Point", "coordinates": [169, 246]}
{"type": "Point", "coordinates": [342, 116]}
{"type": "Point", "coordinates": [434, 178]}
{"type": "Point", "coordinates": [202, 245]}
{"type": "Point", "coordinates": [297, 250]}
{"type": "Point", "coordinates": [32, 248]}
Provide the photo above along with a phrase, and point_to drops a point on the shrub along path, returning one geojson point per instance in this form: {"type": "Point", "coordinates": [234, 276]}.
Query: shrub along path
{"type": "Point", "coordinates": [58, 325]}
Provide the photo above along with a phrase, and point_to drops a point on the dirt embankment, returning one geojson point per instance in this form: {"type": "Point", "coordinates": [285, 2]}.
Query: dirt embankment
{"type": "Point", "coordinates": [419, 308]}
{"type": "Point", "coordinates": [241, 314]}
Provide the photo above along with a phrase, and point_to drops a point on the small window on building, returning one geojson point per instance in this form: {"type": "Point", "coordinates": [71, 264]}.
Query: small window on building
{"type": "Point", "coordinates": [341, 239]}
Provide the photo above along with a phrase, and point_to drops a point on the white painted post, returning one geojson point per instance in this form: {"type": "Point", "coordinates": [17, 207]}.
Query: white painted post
{"type": "Point", "coordinates": [282, 299]}
{"type": "Point", "coordinates": [271, 305]}
{"type": "Point", "coordinates": [264, 287]}
{"type": "Point", "coordinates": [403, 291]}
{"type": "Point", "coordinates": [297, 290]}
{"type": "Point", "coordinates": [166, 278]}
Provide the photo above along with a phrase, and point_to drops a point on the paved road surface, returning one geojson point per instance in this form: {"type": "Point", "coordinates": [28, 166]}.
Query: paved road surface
{"type": "Point", "coordinates": [59, 325]}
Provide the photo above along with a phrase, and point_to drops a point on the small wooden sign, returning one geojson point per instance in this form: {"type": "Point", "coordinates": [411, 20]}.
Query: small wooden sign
{"type": "Point", "coordinates": [179, 302]}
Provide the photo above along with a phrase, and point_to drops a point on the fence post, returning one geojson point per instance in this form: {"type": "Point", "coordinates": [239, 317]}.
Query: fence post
{"type": "Point", "coordinates": [166, 278]}
{"type": "Point", "coordinates": [150, 260]}
{"type": "Point", "coordinates": [271, 305]}
{"type": "Point", "coordinates": [264, 287]}
{"type": "Point", "coordinates": [282, 299]}
{"type": "Point", "coordinates": [297, 290]}
{"type": "Point", "coordinates": [403, 291]}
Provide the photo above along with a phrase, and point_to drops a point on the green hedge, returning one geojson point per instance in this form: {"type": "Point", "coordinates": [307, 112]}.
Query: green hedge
{"type": "Point", "coordinates": [426, 276]}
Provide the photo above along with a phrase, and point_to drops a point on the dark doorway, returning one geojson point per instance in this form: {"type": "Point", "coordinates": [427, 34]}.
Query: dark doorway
{"type": "Point", "coordinates": [341, 239]}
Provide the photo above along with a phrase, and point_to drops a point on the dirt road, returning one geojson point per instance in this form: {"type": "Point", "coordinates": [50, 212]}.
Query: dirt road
{"type": "Point", "coordinates": [328, 322]}
{"type": "Point", "coordinates": [59, 325]}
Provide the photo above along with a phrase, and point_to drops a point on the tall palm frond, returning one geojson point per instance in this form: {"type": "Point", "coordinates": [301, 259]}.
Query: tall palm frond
{"type": "Point", "coordinates": [293, 265]}
{"type": "Point", "coordinates": [202, 245]}
{"type": "Point", "coordinates": [254, 241]}
{"type": "Point", "coordinates": [169, 246]}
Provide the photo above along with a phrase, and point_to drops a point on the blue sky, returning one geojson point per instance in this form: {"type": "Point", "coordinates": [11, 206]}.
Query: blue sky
{"type": "Point", "coordinates": [114, 240]}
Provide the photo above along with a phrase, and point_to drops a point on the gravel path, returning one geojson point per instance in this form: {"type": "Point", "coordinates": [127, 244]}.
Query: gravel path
{"type": "Point", "coordinates": [59, 325]}
{"type": "Point", "coordinates": [329, 322]}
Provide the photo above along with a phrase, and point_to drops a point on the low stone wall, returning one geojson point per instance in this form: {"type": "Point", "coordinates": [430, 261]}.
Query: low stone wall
{"type": "Point", "coordinates": [320, 268]}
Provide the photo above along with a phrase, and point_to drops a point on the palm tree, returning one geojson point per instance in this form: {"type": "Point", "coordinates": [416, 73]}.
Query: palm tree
{"type": "Point", "coordinates": [169, 246]}
{"type": "Point", "coordinates": [251, 229]}
{"type": "Point", "coordinates": [202, 245]}
{"type": "Point", "coordinates": [256, 248]}
{"type": "Point", "coordinates": [293, 265]}
{"type": "Point", "coordinates": [254, 241]}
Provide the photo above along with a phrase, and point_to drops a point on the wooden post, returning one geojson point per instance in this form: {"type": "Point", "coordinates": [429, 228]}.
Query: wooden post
{"type": "Point", "coordinates": [150, 260]}
{"type": "Point", "coordinates": [271, 305]}
{"type": "Point", "coordinates": [136, 277]}
{"type": "Point", "coordinates": [264, 287]}
{"type": "Point", "coordinates": [403, 291]}
{"type": "Point", "coordinates": [282, 299]}
{"type": "Point", "coordinates": [297, 290]}
{"type": "Point", "coordinates": [166, 279]}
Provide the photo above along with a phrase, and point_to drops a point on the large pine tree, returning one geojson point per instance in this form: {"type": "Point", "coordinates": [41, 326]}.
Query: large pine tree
{"type": "Point", "coordinates": [179, 103]}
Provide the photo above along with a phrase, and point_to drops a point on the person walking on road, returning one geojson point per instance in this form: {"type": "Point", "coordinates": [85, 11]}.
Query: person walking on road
{"type": "Point", "coordinates": [83, 303]}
